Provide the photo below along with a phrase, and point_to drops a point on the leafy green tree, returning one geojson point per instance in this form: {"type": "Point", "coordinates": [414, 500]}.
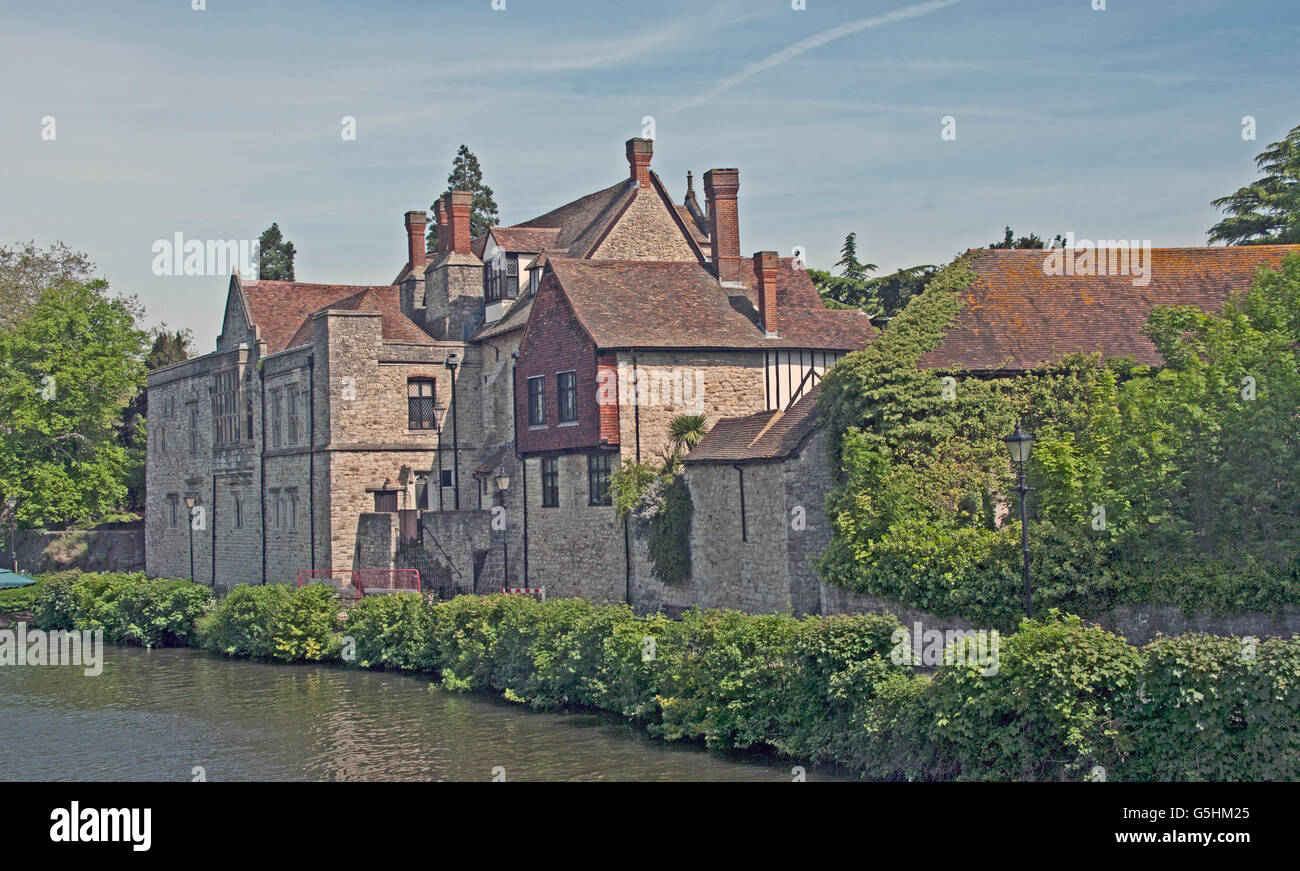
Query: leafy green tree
{"type": "Point", "coordinates": [26, 271]}
{"type": "Point", "coordinates": [852, 287]}
{"type": "Point", "coordinates": [275, 255]}
{"type": "Point", "coordinates": [169, 347]}
{"type": "Point", "coordinates": [466, 175]}
{"type": "Point", "coordinates": [1033, 240]}
{"type": "Point", "coordinates": [66, 374]}
{"type": "Point", "coordinates": [1268, 211]}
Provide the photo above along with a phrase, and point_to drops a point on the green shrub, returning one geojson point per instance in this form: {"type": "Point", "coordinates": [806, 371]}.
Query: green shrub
{"type": "Point", "coordinates": [15, 600]}
{"type": "Point", "coordinates": [243, 622]}
{"type": "Point", "coordinates": [1051, 711]}
{"type": "Point", "coordinates": [1212, 708]}
{"type": "Point", "coordinates": [306, 629]}
{"type": "Point", "coordinates": [159, 612]}
{"type": "Point", "coordinates": [724, 677]}
{"type": "Point", "coordinates": [392, 631]}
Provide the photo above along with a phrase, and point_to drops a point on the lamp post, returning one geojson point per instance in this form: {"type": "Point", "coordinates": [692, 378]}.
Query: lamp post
{"type": "Point", "coordinates": [503, 484]}
{"type": "Point", "coordinates": [1018, 445]}
{"type": "Point", "coordinates": [189, 523]}
{"type": "Point", "coordinates": [12, 504]}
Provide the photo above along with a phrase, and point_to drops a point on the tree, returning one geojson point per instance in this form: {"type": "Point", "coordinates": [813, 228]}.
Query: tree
{"type": "Point", "coordinates": [274, 255]}
{"type": "Point", "coordinates": [1268, 211]}
{"type": "Point", "coordinates": [851, 288]}
{"type": "Point", "coordinates": [66, 374]}
{"type": "Point", "coordinates": [169, 347]}
{"type": "Point", "coordinates": [26, 271]}
{"type": "Point", "coordinates": [1033, 240]}
{"type": "Point", "coordinates": [466, 175]}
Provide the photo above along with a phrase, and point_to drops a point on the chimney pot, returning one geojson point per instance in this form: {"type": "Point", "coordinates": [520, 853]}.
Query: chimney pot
{"type": "Point", "coordinates": [639, 153]}
{"type": "Point", "coordinates": [456, 208]}
{"type": "Point", "coordinates": [440, 221]}
{"type": "Point", "coordinates": [766, 263]}
{"type": "Point", "coordinates": [416, 222]}
{"type": "Point", "coordinates": [720, 189]}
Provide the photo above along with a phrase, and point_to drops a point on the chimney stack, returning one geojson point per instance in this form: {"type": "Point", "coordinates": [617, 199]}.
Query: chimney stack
{"type": "Point", "coordinates": [639, 152]}
{"type": "Point", "coordinates": [416, 222]}
{"type": "Point", "coordinates": [720, 189]}
{"type": "Point", "coordinates": [766, 263]}
{"type": "Point", "coordinates": [456, 209]}
{"type": "Point", "coordinates": [440, 221]}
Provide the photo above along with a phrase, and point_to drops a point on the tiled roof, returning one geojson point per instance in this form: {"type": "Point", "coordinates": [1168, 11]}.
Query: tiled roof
{"type": "Point", "coordinates": [530, 240]}
{"type": "Point", "coordinates": [571, 219]}
{"type": "Point", "coordinates": [767, 435]}
{"type": "Point", "coordinates": [283, 310]}
{"type": "Point", "coordinates": [280, 307]}
{"type": "Point", "coordinates": [1017, 317]}
{"type": "Point", "coordinates": [515, 319]}
{"type": "Point", "coordinates": [653, 304]}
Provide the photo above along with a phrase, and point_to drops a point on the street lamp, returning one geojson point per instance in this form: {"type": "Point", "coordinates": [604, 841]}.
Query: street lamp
{"type": "Point", "coordinates": [189, 506]}
{"type": "Point", "coordinates": [1018, 445]}
{"type": "Point", "coordinates": [503, 484]}
{"type": "Point", "coordinates": [12, 505]}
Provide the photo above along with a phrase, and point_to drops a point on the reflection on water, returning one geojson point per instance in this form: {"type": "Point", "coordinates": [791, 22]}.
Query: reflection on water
{"type": "Point", "coordinates": [156, 715]}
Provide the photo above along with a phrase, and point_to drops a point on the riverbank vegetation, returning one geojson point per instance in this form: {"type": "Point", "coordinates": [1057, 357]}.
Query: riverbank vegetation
{"type": "Point", "coordinates": [1174, 485]}
{"type": "Point", "coordinates": [1066, 701]}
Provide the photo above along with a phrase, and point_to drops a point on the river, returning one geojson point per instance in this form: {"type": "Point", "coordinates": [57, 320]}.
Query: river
{"type": "Point", "coordinates": [178, 714]}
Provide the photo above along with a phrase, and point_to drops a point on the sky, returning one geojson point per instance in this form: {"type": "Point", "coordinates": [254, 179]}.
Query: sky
{"type": "Point", "coordinates": [1122, 122]}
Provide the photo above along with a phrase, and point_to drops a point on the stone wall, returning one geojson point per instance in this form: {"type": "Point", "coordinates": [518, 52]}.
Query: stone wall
{"type": "Point", "coordinates": [91, 550]}
{"type": "Point", "coordinates": [574, 549]}
{"type": "Point", "coordinates": [716, 384]}
{"type": "Point", "coordinates": [645, 232]}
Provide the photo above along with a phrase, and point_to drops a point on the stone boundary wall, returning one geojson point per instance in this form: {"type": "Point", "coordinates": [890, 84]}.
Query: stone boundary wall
{"type": "Point", "coordinates": [91, 550]}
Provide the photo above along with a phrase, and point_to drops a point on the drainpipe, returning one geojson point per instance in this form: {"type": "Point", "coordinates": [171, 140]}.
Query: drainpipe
{"type": "Point", "coordinates": [261, 466]}
{"type": "Point", "coordinates": [212, 525]}
{"type": "Point", "coordinates": [453, 362]}
{"type": "Point", "coordinates": [523, 462]}
{"type": "Point", "coordinates": [636, 406]}
{"type": "Point", "coordinates": [744, 533]}
{"type": "Point", "coordinates": [311, 457]}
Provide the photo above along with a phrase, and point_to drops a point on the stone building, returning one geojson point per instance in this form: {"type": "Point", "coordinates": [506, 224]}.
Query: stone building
{"type": "Point", "coordinates": [759, 482]}
{"type": "Point", "coordinates": [464, 419]}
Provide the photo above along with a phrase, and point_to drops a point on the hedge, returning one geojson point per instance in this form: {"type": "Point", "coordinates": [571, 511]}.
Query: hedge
{"type": "Point", "coordinates": [1068, 701]}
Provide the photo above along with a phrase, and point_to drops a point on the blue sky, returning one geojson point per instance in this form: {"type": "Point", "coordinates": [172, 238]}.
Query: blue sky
{"type": "Point", "coordinates": [1121, 123]}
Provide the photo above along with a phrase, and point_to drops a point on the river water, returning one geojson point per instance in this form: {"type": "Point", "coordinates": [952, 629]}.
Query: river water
{"type": "Point", "coordinates": [177, 714]}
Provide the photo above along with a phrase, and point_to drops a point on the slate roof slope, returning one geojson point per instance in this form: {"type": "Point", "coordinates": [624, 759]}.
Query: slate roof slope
{"type": "Point", "coordinates": [1016, 317]}
{"type": "Point", "coordinates": [657, 304]}
{"type": "Point", "coordinates": [760, 437]}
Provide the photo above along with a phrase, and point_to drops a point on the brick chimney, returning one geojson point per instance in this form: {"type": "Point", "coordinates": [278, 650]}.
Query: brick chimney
{"type": "Point", "coordinates": [720, 188]}
{"type": "Point", "coordinates": [440, 221]}
{"type": "Point", "coordinates": [416, 223]}
{"type": "Point", "coordinates": [639, 152]}
{"type": "Point", "coordinates": [766, 263]}
{"type": "Point", "coordinates": [456, 208]}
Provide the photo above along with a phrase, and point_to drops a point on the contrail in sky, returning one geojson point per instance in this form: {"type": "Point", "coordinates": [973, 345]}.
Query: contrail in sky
{"type": "Point", "coordinates": [817, 39]}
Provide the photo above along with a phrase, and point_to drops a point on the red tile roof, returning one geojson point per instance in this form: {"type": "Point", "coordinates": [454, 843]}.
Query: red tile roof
{"type": "Point", "coordinates": [283, 309]}
{"type": "Point", "coordinates": [529, 240]}
{"type": "Point", "coordinates": [1017, 317]}
{"type": "Point", "coordinates": [571, 219]}
{"type": "Point", "coordinates": [655, 304]}
{"type": "Point", "coordinates": [764, 436]}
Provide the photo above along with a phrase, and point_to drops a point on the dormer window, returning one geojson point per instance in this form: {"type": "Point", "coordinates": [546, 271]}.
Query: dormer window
{"type": "Point", "coordinates": [501, 278]}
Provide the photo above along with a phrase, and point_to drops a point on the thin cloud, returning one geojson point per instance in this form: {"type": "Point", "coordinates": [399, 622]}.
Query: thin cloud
{"type": "Point", "coordinates": [808, 43]}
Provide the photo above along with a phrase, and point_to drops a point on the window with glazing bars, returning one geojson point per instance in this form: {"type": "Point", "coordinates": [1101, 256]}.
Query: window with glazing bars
{"type": "Point", "coordinates": [421, 412]}
{"type": "Point", "coordinates": [566, 386]}
{"type": "Point", "coordinates": [598, 468]}
{"type": "Point", "coordinates": [536, 401]}
{"type": "Point", "coordinates": [550, 482]}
